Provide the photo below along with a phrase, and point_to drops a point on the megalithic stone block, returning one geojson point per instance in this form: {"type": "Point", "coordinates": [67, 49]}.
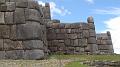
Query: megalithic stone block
{"type": "Point", "coordinates": [7, 7]}
{"type": "Point", "coordinates": [92, 33]}
{"type": "Point", "coordinates": [30, 30]}
{"type": "Point", "coordinates": [22, 4]}
{"type": "Point", "coordinates": [86, 33]}
{"type": "Point", "coordinates": [12, 45]}
{"type": "Point", "coordinates": [9, 18]}
{"type": "Point", "coordinates": [14, 54]}
{"type": "Point", "coordinates": [91, 26]}
{"type": "Point", "coordinates": [33, 44]}
{"type": "Point", "coordinates": [2, 55]}
{"type": "Point", "coordinates": [91, 40]}
{"type": "Point", "coordinates": [32, 15]}
{"type": "Point", "coordinates": [19, 16]}
{"type": "Point", "coordinates": [2, 18]}
{"type": "Point", "coordinates": [33, 54]}
{"type": "Point", "coordinates": [5, 31]}
{"type": "Point", "coordinates": [1, 44]}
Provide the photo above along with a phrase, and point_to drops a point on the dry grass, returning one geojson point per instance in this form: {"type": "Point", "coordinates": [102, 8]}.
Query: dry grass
{"type": "Point", "coordinates": [34, 63]}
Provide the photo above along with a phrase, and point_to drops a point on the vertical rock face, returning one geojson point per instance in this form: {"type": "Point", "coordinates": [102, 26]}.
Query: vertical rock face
{"type": "Point", "coordinates": [22, 32]}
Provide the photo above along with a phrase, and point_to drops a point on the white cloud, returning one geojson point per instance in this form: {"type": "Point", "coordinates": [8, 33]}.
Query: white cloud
{"type": "Point", "coordinates": [55, 10]}
{"type": "Point", "coordinates": [113, 25]}
{"type": "Point", "coordinates": [112, 11]}
{"type": "Point", "coordinates": [90, 1]}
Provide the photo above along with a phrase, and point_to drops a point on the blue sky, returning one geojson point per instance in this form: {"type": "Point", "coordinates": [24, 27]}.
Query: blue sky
{"type": "Point", "coordinates": [106, 14]}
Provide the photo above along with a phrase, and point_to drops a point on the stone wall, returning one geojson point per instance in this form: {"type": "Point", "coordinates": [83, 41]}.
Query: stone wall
{"type": "Point", "coordinates": [104, 43]}
{"type": "Point", "coordinates": [27, 32]}
{"type": "Point", "coordinates": [74, 38]}
{"type": "Point", "coordinates": [22, 33]}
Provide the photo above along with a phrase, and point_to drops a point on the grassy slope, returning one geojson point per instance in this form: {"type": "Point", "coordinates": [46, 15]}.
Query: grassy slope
{"type": "Point", "coordinates": [57, 60]}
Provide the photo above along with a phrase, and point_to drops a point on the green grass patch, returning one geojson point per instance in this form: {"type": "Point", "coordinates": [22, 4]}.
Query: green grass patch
{"type": "Point", "coordinates": [88, 57]}
{"type": "Point", "coordinates": [75, 64]}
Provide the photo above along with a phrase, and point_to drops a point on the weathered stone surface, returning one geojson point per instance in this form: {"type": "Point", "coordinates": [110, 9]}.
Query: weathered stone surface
{"type": "Point", "coordinates": [9, 18]}
{"type": "Point", "coordinates": [1, 44]}
{"type": "Point", "coordinates": [103, 47]}
{"type": "Point", "coordinates": [2, 55]}
{"type": "Point", "coordinates": [32, 15]}
{"type": "Point", "coordinates": [33, 54]}
{"type": "Point", "coordinates": [91, 40]}
{"type": "Point", "coordinates": [30, 30]}
{"type": "Point", "coordinates": [8, 6]}
{"type": "Point", "coordinates": [14, 54]}
{"type": "Point", "coordinates": [92, 33]}
{"type": "Point", "coordinates": [2, 18]}
{"type": "Point", "coordinates": [33, 44]}
{"type": "Point", "coordinates": [12, 45]}
{"type": "Point", "coordinates": [2, 2]}
{"type": "Point", "coordinates": [67, 42]}
{"type": "Point", "coordinates": [4, 31]}
{"type": "Point", "coordinates": [76, 42]}
{"type": "Point", "coordinates": [22, 4]}
{"type": "Point", "coordinates": [19, 16]}
{"type": "Point", "coordinates": [91, 26]}
{"type": "Point", "coordinates": [86, 33]}
{"type": "Point", "coordinates": [60, 36]}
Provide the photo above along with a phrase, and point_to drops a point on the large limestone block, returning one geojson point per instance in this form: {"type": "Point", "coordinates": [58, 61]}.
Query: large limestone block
{"type": "Point", "coordinates": [8, 7]}
{"type": "Point", "coordinates": [92, 40]}
{"type": "Point", "coordinates": [33, 54]}
{"type": "Point", "coordinates": [22, 4]}
{"type": "Point", "coordinates": [14, 54]}
{"type": "Point", "coordinates": [2, 18]}
{"type": "Point", "coordinates": [72, 36]}
{"type": "Point", "coordinates": [60, 36]}
{"type": "Point", "coordinates": [33, 44]}
{"type": "Point", "coordinates": [85, 33]}
{"type": "Point", "coordinates": [55, 43]}
{"type": "Point", "coordinates": [2, 55]}
{"type": "Point", "coordinates": [91, 26]}
{"type": "Point", "coordinates": [1, 44]}
{"type": "Point", "coordinates": [32, 15]}
{"type": "Point", "coordinates": [80, 35]}
{"type": "Point", "coordinates": [103, 47]}
{"type": "Point", "coordinates": [76, 42]}
{"type": "Point", "coordinates": [109, 42]}
{"type": "Point", "coordinates": [9, 18]}
{"type": "Point", "coordinates": [80, 42]}
{"type": "Point", "coordinates": [12, 45]}
{"type": "Point", "coordinates": [67, 42]}
{"type": "Point", "coordinates": [51, 36]}
{"type": "Point", "coordinates": [92, 33]}
{"type": "Point", "coordinates": [4, 31]}
{"type": "Point", "coordinates": [30, 30]}
{"type": "Point", "coordinates": [19, 16]}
